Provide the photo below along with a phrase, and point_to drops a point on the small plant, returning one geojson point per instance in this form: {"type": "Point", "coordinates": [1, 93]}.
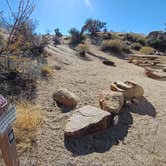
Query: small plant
{"type": "Point", "coordinates": [83, 49]}
{"type": "Point", "coordinates": [46, 71]}
{"type": "Point", "coordinates": [114, 45]}
{"type": "Point", "coordinates": [147, 50]}
{"type": "Point", "coordinates": [136, 46]}
{"type": "Point", "coordinates": [29, 119]}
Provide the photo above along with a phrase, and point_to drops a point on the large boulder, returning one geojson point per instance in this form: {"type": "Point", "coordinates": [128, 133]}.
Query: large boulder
{"type": "Point", "coordinates": [87, 120]}
{"type": "Point", "coordinates": [130, 89]}
{"type": "Point", "coordinates": [63, 97]}
{"type": "Point", "coordinates": [111, 101]}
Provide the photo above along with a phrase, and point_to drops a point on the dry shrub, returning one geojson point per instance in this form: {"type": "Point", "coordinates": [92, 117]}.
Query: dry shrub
{"type": "Point", "coordinates": [83, 49]}
{"type": "Point", "coordinates": [147, 50]}
{"type": "Point", "coordinates": [46, 71]}
{"type": "Point", "coordinates": [136, 46]}
{"type": "Point", "coordinates": [114, 45]}
{"type": "Point", "coordinates": [28, 121]}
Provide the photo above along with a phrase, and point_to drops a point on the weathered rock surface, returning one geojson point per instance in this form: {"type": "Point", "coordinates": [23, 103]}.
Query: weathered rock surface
{"type": "Point", "coordinates": [111, 101]}
{"type": "Point", "coordinates": [65, 98]}
{"type": "Point", "coordinates": [155, 74]}
{"type": "Point", "coordinates": [164, 69]}
{"type": "Point", "coordinates": [87, 120]}
{"type": "Point", "coordinates": [130, 89]}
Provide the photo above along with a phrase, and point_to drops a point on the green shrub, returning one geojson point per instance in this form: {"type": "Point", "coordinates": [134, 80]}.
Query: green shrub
{"type": "Point", "coordinates": [135, 38]}
{"type": "Point", "coordinates": [136, 46]}
{"type": "Point", "coordinates": [115, 46]}
{"type": "Point", "coordinates": [83, 48]}
{"type": "Point", "coordinates": [147, 50]}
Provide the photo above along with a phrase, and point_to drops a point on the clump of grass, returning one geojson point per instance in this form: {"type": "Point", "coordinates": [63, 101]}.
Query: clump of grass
{"type": "Point", "coordinates": [28, 121]}
{"type": "Point", "coordinates": [147, 50]}
{"type": "Point", "coordinates": [46, 71]}
{"type": "Point", "coordinates": [83, 49]}
{"type": "Point", "coordinates": [114, 45]}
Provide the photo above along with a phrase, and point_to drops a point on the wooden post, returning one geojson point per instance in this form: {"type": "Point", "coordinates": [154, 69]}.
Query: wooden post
{"type": "Point", "coordinates": [7, 140]}
{"type": "Point", "coordinates": [8, 148]}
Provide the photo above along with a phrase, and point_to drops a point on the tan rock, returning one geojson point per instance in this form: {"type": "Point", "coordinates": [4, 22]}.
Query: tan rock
{"type": "Point", "coordinates": [87, 120]}
{"type": "Point", "coordinates": [65, 98]}
{"type": "Point", "coordinates": [155, 74]}
{"type": "Point", "coordinates": [164, 69]}
{"type": "Point", "coordinates": [111, 101]}
{"type": "Point", "coordinates": [131, 90]}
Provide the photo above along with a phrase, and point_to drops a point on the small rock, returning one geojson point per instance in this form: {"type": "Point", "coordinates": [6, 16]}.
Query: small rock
{"type": "Point", "coordinates": [63, 97]}
{"type": "Point", "coordinates": [131, 90]}
{"type": "Point", "coordinates": [87, 120]}
{"type": "Point", "coordinates": [164, 69]}
{"type": "Point", "coordinates": [109, 63]}
{"type": "Point", "coordinates": [155, 74]}
{"type": "Point", "coordinates": [57, 67]}
{"type": "Point", "coordinates": [111, 101]}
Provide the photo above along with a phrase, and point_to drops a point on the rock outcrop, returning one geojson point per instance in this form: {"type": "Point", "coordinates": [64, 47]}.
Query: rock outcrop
{"type": "Point", "coordinates": [87, 120]}
{"type": "Point", "coordinates": [111, 101]}
{"type": "Point", "coordinates": [63, 97]}
{"type": "Point", "coordinates": [130, 89]}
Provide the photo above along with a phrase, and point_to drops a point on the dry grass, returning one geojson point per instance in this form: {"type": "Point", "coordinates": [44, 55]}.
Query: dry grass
{"type": "Point", "coordinates": [28, 121]}
{"type": "Point", "coordinates": [46, 71]}
{"type": "Point", "coordinates": [147, 50]}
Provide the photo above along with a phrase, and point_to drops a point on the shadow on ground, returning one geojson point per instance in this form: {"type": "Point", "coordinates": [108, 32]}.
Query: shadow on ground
{"type": "Point", "coordinates": [104, 140]}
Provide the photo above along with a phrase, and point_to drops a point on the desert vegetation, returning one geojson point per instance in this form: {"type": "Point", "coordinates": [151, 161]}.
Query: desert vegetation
{"type": "Point", "coordinates": [79, 95]}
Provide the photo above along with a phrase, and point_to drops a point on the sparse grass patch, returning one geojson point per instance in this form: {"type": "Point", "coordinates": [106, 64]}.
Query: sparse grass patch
{"type": "Point", "coordinates": [83, 49]}
{"type": "Point", "coordinates": [46, 71]}
{"type": "Point", "coordinates": [29, 119]}
{"type": "Point", "coordinates": [147, 50]}
{"type": "Point", "coordinates": [115, 46]}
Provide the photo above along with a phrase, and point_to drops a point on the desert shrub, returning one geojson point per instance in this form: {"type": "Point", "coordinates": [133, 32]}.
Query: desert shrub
{"type": "Point", "coordinates": [28, 121]}
{"type": "Point", "coordinates": [83, 48]}
{"type": "Point", "coordinates": [114, 46]}
{"type": "Point", "coordinates": [157, 40]}
{"type": "Point", "coordinates": [147, 50]}
{"type": "Point", "coordinates": [93, 26]}
{"type": "Point", "coordinates": [76, 36]}
{"type": "Point", "coordinates": [136, 46]}
{"type": "Point", "coordinates": [46, 71]}
{"type": "Point", "coordinates": [135, 38]}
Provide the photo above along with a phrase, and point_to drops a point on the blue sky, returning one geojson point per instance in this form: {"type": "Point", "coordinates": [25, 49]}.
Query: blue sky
{"type": "Point", "coordinates": [140, 16]}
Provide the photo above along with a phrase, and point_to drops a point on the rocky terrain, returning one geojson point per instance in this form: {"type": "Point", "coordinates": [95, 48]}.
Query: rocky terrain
{"type": "Point", "coordinates": [137, 139]}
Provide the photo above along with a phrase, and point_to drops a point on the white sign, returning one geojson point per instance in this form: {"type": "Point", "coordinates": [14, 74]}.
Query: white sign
{"type": "Point", "coordinates": [7, 118]}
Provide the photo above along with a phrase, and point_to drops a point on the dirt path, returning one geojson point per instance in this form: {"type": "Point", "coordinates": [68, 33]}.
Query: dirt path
{"type": "Point", "coordinates": [139, 138]}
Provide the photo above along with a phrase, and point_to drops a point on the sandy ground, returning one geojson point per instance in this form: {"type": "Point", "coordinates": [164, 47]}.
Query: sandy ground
{"type": "Point", "coordinates": [138, 139]}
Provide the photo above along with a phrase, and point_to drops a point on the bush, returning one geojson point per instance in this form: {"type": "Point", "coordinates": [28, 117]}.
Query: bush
{"type": "Point", "coordinates": [136, 46]}
{"type": "Point", "coordinates": [83, 48]}
{"type": "Point", "coordinates": [46, 71]}
{"type": "Point", "coordinates": [114, 46]}
{"type": "Point", "coordinates": [28, 121]}
{"type": "Point", "coordinates": [157, 40]}
{"type": "Point", "coordinates": [135, 38]}
{"type": "Point", "coordinates": [147, 50]}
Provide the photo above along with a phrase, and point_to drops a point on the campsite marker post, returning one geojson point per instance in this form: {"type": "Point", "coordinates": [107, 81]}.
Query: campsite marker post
{"type": "Point", "coordinates": [7, 140]}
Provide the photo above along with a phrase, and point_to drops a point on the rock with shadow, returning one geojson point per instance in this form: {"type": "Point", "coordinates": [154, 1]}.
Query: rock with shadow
{"type": "Point", "coordinates": [101, 141]}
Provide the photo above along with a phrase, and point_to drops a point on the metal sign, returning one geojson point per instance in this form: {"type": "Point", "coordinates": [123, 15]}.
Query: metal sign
{"type": "Point", "coordinates": [3, 102]}
{"type": "Point", "coordinates": [7, 118]}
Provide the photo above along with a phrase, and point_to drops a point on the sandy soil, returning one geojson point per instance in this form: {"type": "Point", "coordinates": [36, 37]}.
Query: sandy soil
{"type": "Point", "coordinates": [139, 138]}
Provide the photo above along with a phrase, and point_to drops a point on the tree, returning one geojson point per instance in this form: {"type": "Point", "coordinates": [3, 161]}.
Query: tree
{"type": "Point", "coordinates": [93, 26]}
{"type": "Point", "coordinates": [18, 26]}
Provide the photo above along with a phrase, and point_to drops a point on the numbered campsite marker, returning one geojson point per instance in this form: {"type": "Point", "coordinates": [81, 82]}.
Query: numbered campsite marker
{"type": "Point", "coordinates": [7, 141]}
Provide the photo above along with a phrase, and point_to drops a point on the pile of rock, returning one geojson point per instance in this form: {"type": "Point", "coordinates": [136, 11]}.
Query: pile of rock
{"type": "Point", "coordinates": [158, 74]}
{"type": "Point", "coordinates": [89, 119]}
{"type": "Point", "coordinates": [145, 60]}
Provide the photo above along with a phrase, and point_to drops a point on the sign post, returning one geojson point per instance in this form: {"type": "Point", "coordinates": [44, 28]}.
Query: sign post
{"type": "Point", "coordinates": [7, 140]}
